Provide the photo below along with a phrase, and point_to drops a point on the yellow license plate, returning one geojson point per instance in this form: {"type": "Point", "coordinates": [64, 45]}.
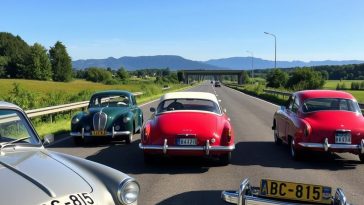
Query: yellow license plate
{"type": "Point", "coordinates": [295, 191]}
{"type": "Point", "coordinates": [98, 133]}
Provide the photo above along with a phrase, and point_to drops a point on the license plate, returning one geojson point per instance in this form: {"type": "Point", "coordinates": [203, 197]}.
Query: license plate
{"type": "Point", "coordinates": [98, 133]}
{"type": "Point", "coordinates": [73, 199]}
{"type": "Point", "coordinates": [343, 138]}
{"type": "Point", "coordinates": [186, 141]}
{"type": "Point", "coordinates": [295, 191]}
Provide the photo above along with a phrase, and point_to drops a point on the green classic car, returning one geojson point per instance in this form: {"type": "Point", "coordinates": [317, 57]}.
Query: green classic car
{"type": "Point", "coordinates": [111, 114]}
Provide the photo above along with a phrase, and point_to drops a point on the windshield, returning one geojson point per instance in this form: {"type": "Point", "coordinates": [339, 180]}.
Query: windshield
{"type": "Point", "coordinates": [188, 104]}
{"type": "Point", "coordinates": [319, 104]}
{"type": "Point", "coordinates": [110, 101]}
{"type": "Point", "coordinates": [14, 126]}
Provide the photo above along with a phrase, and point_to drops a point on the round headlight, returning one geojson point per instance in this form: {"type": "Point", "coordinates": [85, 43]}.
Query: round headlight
{"type": "Point", "coordinates": [117, 127]}
{"type": "Point", "coordinates": [75, 120]}
{"type": "Point", "coordinates": [126, 119]}
{"type": "Point", "coordinates": [128, 191]}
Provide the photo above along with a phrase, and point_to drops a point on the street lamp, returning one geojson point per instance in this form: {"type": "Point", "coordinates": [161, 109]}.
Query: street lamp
{"type": "Point", "coordinates": [275, 48]}
{"type": "Point", "coordinates": [252, 55]}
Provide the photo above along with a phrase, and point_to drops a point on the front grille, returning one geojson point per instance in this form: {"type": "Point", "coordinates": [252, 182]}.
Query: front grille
{"type": "Point", "coordinates": [99, 121]}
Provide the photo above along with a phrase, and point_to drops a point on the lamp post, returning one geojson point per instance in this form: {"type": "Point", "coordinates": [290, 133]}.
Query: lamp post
{"type": "Point", "coordinates": [275, 48]}
{"type": "Point", "coordinates": [252, 56]}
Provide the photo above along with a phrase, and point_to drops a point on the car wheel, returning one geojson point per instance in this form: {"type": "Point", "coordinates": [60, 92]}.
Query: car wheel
{"type": "Point", "coordinates": [277, 140]}
{"type": "Point", "coordinates": [295, 154]}
{"type": "Point", "coordinates": [78, 141]}
{"type": "Point", "coordinates": [225, 159]}
{"type": "Point", "coordinates": [361, 157]}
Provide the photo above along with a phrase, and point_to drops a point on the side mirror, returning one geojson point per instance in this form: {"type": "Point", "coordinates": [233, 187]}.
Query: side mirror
{"type": "Point", "coordinates": [283, 107]}
{"type": "Point", "coordinates": [48, 139]}
{"type": "Point", "coordinates": [219, 100]}
{"type": "Point", "coordinates": [152, 109]}
{"type": "Point", "coordinates": [224, 110]}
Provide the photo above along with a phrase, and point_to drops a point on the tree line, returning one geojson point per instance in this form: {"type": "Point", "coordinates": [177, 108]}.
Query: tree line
{"type": "Point", "coordinates": [19, 60]}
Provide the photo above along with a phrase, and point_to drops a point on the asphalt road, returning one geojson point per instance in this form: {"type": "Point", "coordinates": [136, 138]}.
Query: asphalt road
{"type": "Point", "coordinates": [200, 181]}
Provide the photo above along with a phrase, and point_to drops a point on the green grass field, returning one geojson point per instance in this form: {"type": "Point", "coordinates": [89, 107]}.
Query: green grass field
{"type": "Point", "coordinates": [331, 84]}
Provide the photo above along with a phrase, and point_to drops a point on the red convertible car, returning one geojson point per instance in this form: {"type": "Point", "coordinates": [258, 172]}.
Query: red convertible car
{"type": "Point", "coordinates": [188, 124]}
{"type": "Point", "coordinates": [320, 120]}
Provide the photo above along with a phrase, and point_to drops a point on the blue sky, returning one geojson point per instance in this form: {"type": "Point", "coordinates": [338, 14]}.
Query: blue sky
{"type": "Point", "coordinates": [195, 29]}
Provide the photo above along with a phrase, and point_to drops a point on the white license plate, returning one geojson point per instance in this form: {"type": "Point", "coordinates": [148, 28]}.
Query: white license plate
{"type": "Point", "coordinates": [186, 141]}
{"type": "Point", "coordinates": [73, 199]}
{"type": "Point", "coordinates": [343, 138]}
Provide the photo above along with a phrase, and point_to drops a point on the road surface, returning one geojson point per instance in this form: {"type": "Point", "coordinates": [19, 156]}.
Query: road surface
{"type": "Point", "coordinates": [199, 181]}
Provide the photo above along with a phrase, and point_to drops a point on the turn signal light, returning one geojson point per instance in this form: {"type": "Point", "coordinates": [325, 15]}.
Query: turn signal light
{"type": "Point", "coordinates": [146, 132]}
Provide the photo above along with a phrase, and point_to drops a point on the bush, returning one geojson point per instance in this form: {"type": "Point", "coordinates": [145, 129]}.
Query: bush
{"type": "Point", "coordinates": [97, 75]}
{"type": "Point", "coordinates": [276, 78]}
{"type": "Point", "coordinates": [304, 79]}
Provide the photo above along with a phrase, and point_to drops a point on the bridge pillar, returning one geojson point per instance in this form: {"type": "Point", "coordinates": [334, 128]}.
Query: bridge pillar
{"type": "Point", "coordinates": [240, 79]}
{"type": "Point", "coordinates": [186, 79]}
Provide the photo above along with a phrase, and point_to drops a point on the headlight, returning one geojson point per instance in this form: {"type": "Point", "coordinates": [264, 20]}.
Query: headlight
{"type": "Point", "coordinates": [117, 127]}
{"type": "Point", "coordinates": [75, 120]}
{"type": "Point", "coordinates": [126, 119]}
{"type": "Point", "coordinates": [128, 191]}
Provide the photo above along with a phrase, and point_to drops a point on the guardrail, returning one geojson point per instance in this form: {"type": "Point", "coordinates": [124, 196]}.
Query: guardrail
{"type": "Point", "coordinates": [61, 108]}
{"type": "Point", "coordinates": [285, 93]}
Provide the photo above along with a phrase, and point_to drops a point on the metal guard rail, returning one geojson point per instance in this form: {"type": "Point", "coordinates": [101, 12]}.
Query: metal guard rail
{"type": "Point", "coordinates": [61, 108]}
{"type": "Point", "coordinates": [285, 93]}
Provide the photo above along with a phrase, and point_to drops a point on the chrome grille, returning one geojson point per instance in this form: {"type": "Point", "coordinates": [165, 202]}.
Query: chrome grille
{"type": "Point", "coordinates": [99, 121]}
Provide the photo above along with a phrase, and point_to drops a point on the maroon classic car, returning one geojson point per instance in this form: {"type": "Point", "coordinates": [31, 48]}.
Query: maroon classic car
{"type": "Point", "coordinates": [188, 124]}
{"type": "Point", "coordinates": [320, 120]}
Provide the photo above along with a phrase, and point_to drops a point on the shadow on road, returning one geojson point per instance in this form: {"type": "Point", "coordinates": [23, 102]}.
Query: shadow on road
{"type": "Point", "coordinates": [267, 154]}
{"type": "Point", "coordinates": [129, 159]}
{"type": "Point", "coordinates": [194, 197]}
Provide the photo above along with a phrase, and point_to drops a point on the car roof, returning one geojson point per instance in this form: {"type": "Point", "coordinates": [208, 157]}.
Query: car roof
{"type": "Point", "coordinates": [4, 104]}
{"type": "Point", "coordinates": [112, 92]}
{"type": "Point", "coordinates": [190, 95]}
{"type": "Point", "coordinates": [307, 94]}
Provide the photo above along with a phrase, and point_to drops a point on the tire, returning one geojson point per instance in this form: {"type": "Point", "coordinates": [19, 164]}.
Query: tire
{"type": "Point", "coordinates": [78, 141]}
{"type": "Point", "coordinates": [225, 159]}
{"type": "Point", "coordinates": [294, 153]}
{"type": "Point", "coordinates": [277, 140]}
{"type": "Point", "coordinates": [361, 157]}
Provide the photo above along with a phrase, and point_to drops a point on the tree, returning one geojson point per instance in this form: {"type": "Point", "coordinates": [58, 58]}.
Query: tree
{"type": "Point", "coordinates": [16, 50]}
{"type": "Point", "coordinates": [61, 63]}
{"type": "Point", "coordinates": [122, 74]}
{"type": "Point", "coordinates": [3, 63]}
{"type": "Point", "coordinates": [305, 78]}
{"type": "Point", "coordinates": [180, 76]}
{"type": "Point", "coordinates": [276, 78]}
{"type": "Point", "coordinates": [95, 74]}
{"type": "Point", "coordinates": [39, 67]}
{"type": "Point", "coordinates": [245, 77]}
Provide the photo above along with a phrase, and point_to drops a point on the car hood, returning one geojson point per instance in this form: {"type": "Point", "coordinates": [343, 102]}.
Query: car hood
{"type": "Point", "coordinates": [32, 177]}
{"type": "Point", "coordinates": [201, 124]}
{"type": "Point", "coordinates": [109, 111]}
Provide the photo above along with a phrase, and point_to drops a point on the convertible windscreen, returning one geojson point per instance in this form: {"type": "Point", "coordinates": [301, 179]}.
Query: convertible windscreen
{"type": "Point", "coordinates": [13, 126]}
{"type": "Point", "coordinates": [318, 104]}
{"type": "Point", "coordinates": [110, 101]}
{"type": "Point", "coordinates": [188, 104]}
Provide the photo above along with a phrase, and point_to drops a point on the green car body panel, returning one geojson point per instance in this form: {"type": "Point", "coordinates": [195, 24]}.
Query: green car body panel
{"type": "Point", "coordinates": [119, 120]}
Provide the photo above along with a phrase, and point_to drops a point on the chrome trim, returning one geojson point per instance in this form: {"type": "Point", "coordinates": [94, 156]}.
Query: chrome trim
{"type": "Point", "coordinates": [122, 186]}
{"type": "Point", "coordinates": [326, 146]}
{"type": "Point", "coordinates": [99, 120]}
{"type": "Point", "coordinates": [245, 196]}
{"type": "Point", "coordinates": [208, 147]}
{"type": "Point", "coordinates": [165, 146]}
{"type": "Point", "coordinates": [342, 130]}
{"type": "Point", "coordinates": [113, 133]}
{"type": "Point", "coordinates": [186, 148]}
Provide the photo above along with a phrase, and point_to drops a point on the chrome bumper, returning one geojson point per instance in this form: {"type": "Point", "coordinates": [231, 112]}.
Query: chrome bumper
{"type": "Point", "coordinates": [112, 134]}
{"type": "Point", "coordinates": [326, 146]}
{"type": "Point", "coordinates": [246, 196]}
{"type": "Point", "coordinates": [207, 148]}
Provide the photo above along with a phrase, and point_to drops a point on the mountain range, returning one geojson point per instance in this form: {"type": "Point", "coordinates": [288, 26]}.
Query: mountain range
{"type": "Point", "coordinates": [177, 62]}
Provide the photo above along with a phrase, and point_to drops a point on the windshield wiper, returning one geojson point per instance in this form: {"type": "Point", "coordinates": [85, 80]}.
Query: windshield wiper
{"type": "Point", "coordinates": [3, 145]}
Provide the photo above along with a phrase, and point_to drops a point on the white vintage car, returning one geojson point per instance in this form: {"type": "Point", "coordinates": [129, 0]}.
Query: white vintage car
{"type": "Point", "coordinates": [34, 175]}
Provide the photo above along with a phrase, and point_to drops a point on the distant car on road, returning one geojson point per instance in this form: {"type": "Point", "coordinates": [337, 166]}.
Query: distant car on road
{"type": "Point", "coordinates": [320, 120]}
{"type": "Point", "coordinates": [217, 84]}
{"type": "Point", "coordinates": [49, 178]}
{"type": "Point", "coordinates": [273, 192]}
{"type": "Point", "coordinates": [111, 114]}
{"type": "Point", "coordinates": [188, 124]}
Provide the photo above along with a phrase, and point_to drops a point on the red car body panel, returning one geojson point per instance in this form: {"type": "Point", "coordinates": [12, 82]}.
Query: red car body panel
{"type": "Point", "coordinates": [319, 125]}
{"type": "Point", "coordinates": [188, 124]}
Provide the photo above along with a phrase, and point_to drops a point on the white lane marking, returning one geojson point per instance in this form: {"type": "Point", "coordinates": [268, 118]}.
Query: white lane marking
{"type": "Point", "coordinates": [149, 102]}
{"type": "Point", "coordinates": [253, 97]}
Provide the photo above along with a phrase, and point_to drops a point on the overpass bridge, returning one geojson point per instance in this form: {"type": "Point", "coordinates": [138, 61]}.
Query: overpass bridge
{"type": "Point", "coordinates": [216, 73]}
